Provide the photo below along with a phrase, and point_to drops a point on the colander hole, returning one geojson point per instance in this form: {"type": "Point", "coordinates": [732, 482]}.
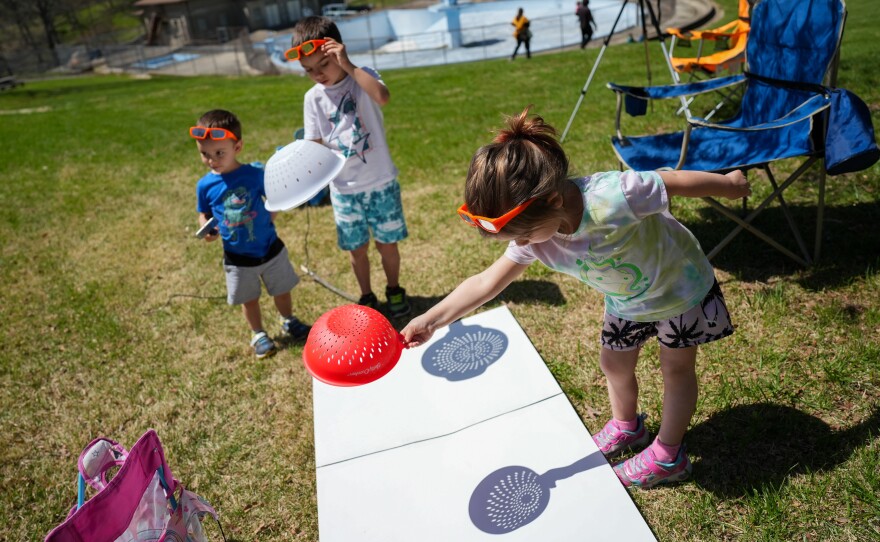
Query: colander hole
{"type": "Point", "coordinates": [297, 179]}
{"type": "Point", "coordinates": [310, 172]}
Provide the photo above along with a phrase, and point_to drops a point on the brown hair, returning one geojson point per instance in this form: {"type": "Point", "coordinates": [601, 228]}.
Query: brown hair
{"type": "Point", "coordinates": [524, 161]}
{"type": "Point", "coordinates": [220, 118]}
{"type": "Point", "coordinates": [314, 28]}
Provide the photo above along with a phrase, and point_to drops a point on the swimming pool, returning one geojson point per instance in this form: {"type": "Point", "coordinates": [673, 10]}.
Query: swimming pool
{"type": "Point", "coordinates": [164, 60]}
{"type": "Point", "coordinates": [445, 33]}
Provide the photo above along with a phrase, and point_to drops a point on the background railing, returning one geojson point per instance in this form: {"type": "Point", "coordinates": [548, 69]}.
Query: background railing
{"type": "Point", "coordinates": [378, 48]}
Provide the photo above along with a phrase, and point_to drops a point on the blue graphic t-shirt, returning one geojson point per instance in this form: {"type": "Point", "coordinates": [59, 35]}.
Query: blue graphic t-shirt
{"type": "Point", "coordinates": [629, 247]}
{"type": "Point", "coordinates": [236, 200]}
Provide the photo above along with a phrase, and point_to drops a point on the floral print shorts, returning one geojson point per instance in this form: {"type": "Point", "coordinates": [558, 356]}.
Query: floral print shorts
{"type": "Point", "coordinates": [706, 322]}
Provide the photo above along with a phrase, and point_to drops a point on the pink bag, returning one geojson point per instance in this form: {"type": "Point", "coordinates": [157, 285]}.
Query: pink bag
{"type": "Point", "coordinates": [138, 504]}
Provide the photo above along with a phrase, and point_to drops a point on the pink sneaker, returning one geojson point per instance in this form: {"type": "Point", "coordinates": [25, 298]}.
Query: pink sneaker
{"type": "Point", "coordinates": [645, 471]}
{"type": "Point", "coordinates": [613, 441]}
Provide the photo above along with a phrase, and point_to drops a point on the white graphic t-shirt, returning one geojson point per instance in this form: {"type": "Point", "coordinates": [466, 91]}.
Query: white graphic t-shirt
{"type": "Point", "coordinates": [629, 247]}
{"type": "Point", "coordinates": [347, 120]}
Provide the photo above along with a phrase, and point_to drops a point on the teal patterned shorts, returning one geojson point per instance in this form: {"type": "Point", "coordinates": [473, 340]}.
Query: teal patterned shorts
{"type": "Point", "coordinates": [379, 211]}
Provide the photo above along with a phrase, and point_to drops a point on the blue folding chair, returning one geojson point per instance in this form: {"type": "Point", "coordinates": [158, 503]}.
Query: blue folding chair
{"type": "Point", "coordinates": [784, 113]}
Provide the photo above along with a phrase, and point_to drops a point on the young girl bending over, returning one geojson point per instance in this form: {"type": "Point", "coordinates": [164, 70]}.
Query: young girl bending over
{"type": "Point", "coordinates": [613, 231]}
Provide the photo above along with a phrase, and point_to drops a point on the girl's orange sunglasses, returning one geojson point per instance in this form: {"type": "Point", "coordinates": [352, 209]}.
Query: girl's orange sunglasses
{"type": "Point", "coordinates": [306, 48]}
{"type": "Point", "coordinates": [491, 225]}
{"type": "Point", "coordinates": [201, 132]}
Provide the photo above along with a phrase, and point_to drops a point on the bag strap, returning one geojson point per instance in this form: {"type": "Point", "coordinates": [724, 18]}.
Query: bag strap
{"type": "Point", "coordinates": [96, 459]}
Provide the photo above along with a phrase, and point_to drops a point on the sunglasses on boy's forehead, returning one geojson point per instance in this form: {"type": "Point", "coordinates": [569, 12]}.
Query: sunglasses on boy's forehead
{"type": "Point", "coordinates": [306, 48]}
{"type": "Point", "coordinates": [201, 132]}
{"type": "Point", "coordinates": [491, 225]}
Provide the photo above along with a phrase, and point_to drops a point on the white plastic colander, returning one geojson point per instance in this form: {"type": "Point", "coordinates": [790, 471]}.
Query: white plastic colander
{"type": "Point", "coordinates": [297, 172]}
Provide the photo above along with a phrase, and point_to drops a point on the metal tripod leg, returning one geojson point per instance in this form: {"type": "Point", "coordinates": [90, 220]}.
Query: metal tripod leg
{"type": "Point", "coordinates": [656, 24]}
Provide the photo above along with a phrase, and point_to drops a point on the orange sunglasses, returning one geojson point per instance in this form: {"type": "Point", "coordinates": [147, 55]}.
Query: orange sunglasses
{"type": "Point", "coordinates": [306, 48]}
{"type": "Point", "coordinates": [217, 134]}
{"type": "Point", "coordinates": [491, 225]}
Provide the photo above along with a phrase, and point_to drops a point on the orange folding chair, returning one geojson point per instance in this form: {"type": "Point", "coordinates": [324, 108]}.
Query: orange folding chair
{"type": "Point", "coordinates": [728, 55]}
{"type": "Point", "coordinates": [730, 46]}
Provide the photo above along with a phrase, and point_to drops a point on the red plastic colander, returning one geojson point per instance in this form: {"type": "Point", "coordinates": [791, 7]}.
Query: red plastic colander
{"type": "Point", "coordinates": [352, 345]}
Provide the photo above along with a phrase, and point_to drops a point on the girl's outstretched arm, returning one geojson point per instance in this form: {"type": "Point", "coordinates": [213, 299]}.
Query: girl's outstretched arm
{"type": "Point", "coordinates": [469, 295]}
{"type": "Point", "coordinates": [699, 184]}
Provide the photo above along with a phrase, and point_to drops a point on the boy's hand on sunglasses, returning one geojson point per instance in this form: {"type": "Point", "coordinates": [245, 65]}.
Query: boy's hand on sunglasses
{"type": "Point", "coordinates": [337, 50]}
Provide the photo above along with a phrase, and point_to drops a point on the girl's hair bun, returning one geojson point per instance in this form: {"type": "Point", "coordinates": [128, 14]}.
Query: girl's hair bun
{"type": "Point", "coordinates": [523, 126]}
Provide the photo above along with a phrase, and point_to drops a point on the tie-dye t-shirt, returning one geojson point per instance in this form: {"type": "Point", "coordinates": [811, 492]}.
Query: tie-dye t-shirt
{"type": "Point", "coordinates": [629, 247]}
{"type": "Point", "coordinates": [350, 122]}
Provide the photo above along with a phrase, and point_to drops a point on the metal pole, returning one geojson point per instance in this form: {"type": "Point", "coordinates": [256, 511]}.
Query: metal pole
{"type": "Point", "coordinates": [672, 73]}
{"type": "Point", "coordinates": [645, 39]}
{"type": "Point", "coordinates": [483, 40]}
{"type": "Point", "coordinates": [370, 37]}
{"type": "Point", "coordinates": [561, 33]}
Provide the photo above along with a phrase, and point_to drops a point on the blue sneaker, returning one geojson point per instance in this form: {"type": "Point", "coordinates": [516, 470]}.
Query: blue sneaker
{"type": "Point", "coordinates": [263, 345]}
{"type": "Point", "coordinates": [613, 441]}
{"type": "Point", "coordinates": [294, 328]}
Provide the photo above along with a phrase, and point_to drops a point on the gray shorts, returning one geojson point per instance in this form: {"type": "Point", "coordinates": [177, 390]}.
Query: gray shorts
{"type": "Point", "coordinates": [243, 283]}
{"type": "Point", "coordinates": [706, 322]}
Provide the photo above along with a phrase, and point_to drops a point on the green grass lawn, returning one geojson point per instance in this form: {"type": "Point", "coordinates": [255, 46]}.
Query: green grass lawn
{"type": "Point", "coordinates": [114, 318]}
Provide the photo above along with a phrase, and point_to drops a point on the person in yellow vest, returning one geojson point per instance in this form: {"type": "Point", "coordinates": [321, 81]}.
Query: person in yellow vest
{"type": "Point", "coordinates": [522, 33]}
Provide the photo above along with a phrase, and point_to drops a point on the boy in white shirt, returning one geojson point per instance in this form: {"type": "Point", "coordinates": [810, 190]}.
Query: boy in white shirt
{"type": "Point", "coordinates": [343, 111]}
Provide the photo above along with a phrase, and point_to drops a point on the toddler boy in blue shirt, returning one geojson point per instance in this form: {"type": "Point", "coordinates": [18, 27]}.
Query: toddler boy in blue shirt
{"type": "Point", "coordinates": [253, 253]}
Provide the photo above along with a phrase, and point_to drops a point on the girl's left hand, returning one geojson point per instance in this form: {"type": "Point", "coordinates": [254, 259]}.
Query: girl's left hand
{"type": "Point", "coordinates": [739, 186]}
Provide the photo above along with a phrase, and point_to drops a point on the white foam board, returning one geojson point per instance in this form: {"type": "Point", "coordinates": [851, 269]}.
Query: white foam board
{"type": "Point", "coordinates": [410, 404]}
{"type": "Point", "coordinates": [498, 451]}
{"type": "Point", "coordinates": [423, 491]}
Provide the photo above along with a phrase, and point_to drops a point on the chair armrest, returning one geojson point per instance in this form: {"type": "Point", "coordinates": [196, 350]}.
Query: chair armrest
{"type": "Point", "coordinates": [717, 36]}
{"type": "Point", "coordinates": [812, 106]}
{"type": "Point", "coordinates": [676, 91]}
{"type": "Point", "coordinates": [731, 29]}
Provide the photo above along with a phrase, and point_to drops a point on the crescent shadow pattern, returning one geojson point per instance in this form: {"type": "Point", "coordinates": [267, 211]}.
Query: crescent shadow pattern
{"type": "Point", "coordinates": [465, 352]}
{"type": "Point", "coordinates": [513, 496]}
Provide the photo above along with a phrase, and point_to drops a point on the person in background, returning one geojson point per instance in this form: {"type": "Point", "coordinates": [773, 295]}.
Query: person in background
{"type": "Point", "coordinates": [585, 16]}
{"type": "Point", "coordinates": [522, 34]}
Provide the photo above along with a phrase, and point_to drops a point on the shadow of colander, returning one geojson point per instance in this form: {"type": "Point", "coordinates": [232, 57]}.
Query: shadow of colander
{"type": "Point", "coordinates": [465, 352]}
{"type": "Point", "coordinates": [515, 496]}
